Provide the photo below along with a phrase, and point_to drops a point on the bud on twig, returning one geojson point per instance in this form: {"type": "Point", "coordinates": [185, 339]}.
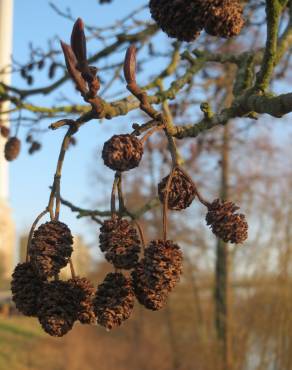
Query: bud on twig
{"type": "Point", "coordinates": [130, 65]}
{"type": "Point", "coordinates": [71, 64]}
{"type": "Point", "coordinates": [78, 41]}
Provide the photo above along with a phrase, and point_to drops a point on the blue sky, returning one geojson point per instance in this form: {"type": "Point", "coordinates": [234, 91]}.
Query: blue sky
{"type": "Point", "coordinates": [30, 176]}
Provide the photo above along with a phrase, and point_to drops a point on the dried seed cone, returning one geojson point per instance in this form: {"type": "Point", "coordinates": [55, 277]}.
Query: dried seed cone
{"type": "Point", "coordinates": [181, 19]}
{"type": "Point", "coordinates": [163, 263]}
{"type": "Point", "coordinates": [152, 298]}
{"type": "Point", "coordinates": [122, 152]}
{"type": "Point", "coordinates": [84, 293]}
{"type": "Point", "coordinates": [57, 308]}
{"type": "Point", "coordinates": [114, 300]}
{"type": "Point", "coordinates": [34, 147]}
{"type": "Point", "coordinates": [158, 273]}
{"type": "Point", "coordinates": [225, 18]}
{"type": "Point", "coordinates": [225, 223]}
{"type": "Point", "coordinates": [120, 242]}
{"type": "Point", "coordinates": [51, 248]}
{"type": "Point", "coordinates": [12, 149]}
{"type": "Point", "coordinates": [26, 287]}
{"type": "Point", "coordinates": [4, 131]}
{"type": "Point", "coordinates": [181, 191]}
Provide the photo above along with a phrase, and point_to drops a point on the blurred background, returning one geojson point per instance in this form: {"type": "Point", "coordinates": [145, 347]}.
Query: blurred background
{"type": "Point", "coordinates": [247, 161]}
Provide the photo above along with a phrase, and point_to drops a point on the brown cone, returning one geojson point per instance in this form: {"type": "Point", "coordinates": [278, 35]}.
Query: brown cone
{"type": "Point", "coordinates": [158, 273]}
{"type": "Point", "coordinates": [119, 239]}
{"type": "Point", "coordinates": [225, 19]}
{"type": "Point", "coordinates": [34, 147]}
{"type": "Point", "coordinates": [84, 293]}
{"type": "Point", "coordinates": [122, 152]}
{"type": "Point", "coordinates": [12, 149]}
{"type": "Point", "coordinates": [4, 131]}
{"type": "Point", "coordinates": [181, 19]}
{"type": "Point", "coordinates": [225, 223]}
{"type": "Point", "coordinates": [152, 298]}
{"type": "Point", "coordinates": [181, 191]}
{"type": "Point", "coordinates": [51, 248]}
{"type": "Point", "coordinates": [57, 308]}
{"type": "Point", "coordinates": [114, 300]}
{"type": "Point", "coordinates": [26, 287]}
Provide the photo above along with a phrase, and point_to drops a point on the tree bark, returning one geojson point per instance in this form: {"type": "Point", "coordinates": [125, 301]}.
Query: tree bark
{"type": "Point", "coordinates": [222, 289]}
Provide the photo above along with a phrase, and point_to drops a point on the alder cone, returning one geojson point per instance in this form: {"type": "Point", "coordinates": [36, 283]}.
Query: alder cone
{"type": "Point", "coordinates": [34, 147]}
{"type": "Point", "coordinates": [120, 242]}
{"type": "Point", "coordinates": [180, 19]}
{"type": "Point", "coordinates": [163, 263]}
{"type": "Point", "coordinates": [181, 191]}
{"type": "Point", "coordinates": [122, 152]}
{"type": "Point", "coordinates": [157, 274]}
{"type": "Point", "coordinates": [12, 148]}
{"type": "Point", "coordinates": [225, 19]}
{"type": "Point", "coordinates": [51, 248]}
{"type": "Point", "coordinates": [225, 223]}
{"type": "Point", "coordinates": [152, 298]}
{"type": "Point", "coordinates": [26, 287]}
{"type": "Point", "coordinates": [4, 131]}
{"type": "Point", "coordinates": [84, 293]}
{"type": "Point", "coordinates": [114, 300]}
{"type": "Point", "coordinates": [58, 308]}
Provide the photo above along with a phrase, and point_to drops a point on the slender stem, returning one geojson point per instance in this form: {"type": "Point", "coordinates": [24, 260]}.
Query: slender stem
{"type": "Point", "coordinates": [165, 203]}
{"type": "Point", "coordinates": [139, 129]}
{"type": "Point", "coordinates": [172, 149]}
{"type": "Point", "coordinates": [72, 269]}
{"type": "Point", "coordinates": [122, 207]}
{"type": "Point", "coordinates": [55, 192]}
{"type": "Point", "coordinates": [145, 106]}
{"type": "Point", "coordinates": [18, 122]}
{"type": "Point", "coordinates": [150, 132]}
{"type": "Point", "coordinates": [141, 233]}
{"type": "Point", "coordinates": [51, 202]}
{"type": "Point", "coordinates": [64, 147]}
{"type": "Point", "coordinates": [113, 194]}
{"type": "Point", "coordinates": [32, 231]}
{"type": "Point", "coordinates": [200, 197]}
{"type": "Point", "coordinates": [169, 125]}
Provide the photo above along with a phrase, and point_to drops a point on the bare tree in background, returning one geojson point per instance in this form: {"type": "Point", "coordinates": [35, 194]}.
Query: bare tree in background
{"type": "Point", "coordinates": [213, 90]}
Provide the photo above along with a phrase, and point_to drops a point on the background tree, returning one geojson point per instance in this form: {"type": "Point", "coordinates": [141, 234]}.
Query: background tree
{"type": "Point", "coordinates": [215, 84]}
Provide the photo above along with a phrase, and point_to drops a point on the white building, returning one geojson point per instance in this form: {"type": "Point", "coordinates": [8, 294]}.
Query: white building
{"type": "Point", "coordinates": [7, 229]}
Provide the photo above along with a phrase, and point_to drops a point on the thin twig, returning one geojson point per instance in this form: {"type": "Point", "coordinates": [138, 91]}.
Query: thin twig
{"type": "Point", "coordinates": [55, 190]}
{"type": "Point", "coordinates": [200, 197]}
{"type": "Point", "coordinates": [150, 132]}
{"type": "Point", "coordinates": [113, 194]}
{"type": "Point", "coordinates": [165, 203]}
{"type": "Point", "coordinates": [32, 229]}
{"type": "Point", "coordinates": [72, 268]}
{"type": "Point", "coordinates": [141, 233]}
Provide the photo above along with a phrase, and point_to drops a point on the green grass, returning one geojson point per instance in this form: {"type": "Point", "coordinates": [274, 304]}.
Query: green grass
{"type": "Point", "coordinates": [18, 336]}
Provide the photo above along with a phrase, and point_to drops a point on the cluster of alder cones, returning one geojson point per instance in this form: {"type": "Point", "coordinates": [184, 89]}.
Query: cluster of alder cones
{"type": "Point", "coordinates": [13, 144]}
{"type": "Point", "coordinates": [149, 273]}
{"type": "Point", "coordinates": [185, 19]}
{"type": "Point", "coordinates": [37, 290]}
